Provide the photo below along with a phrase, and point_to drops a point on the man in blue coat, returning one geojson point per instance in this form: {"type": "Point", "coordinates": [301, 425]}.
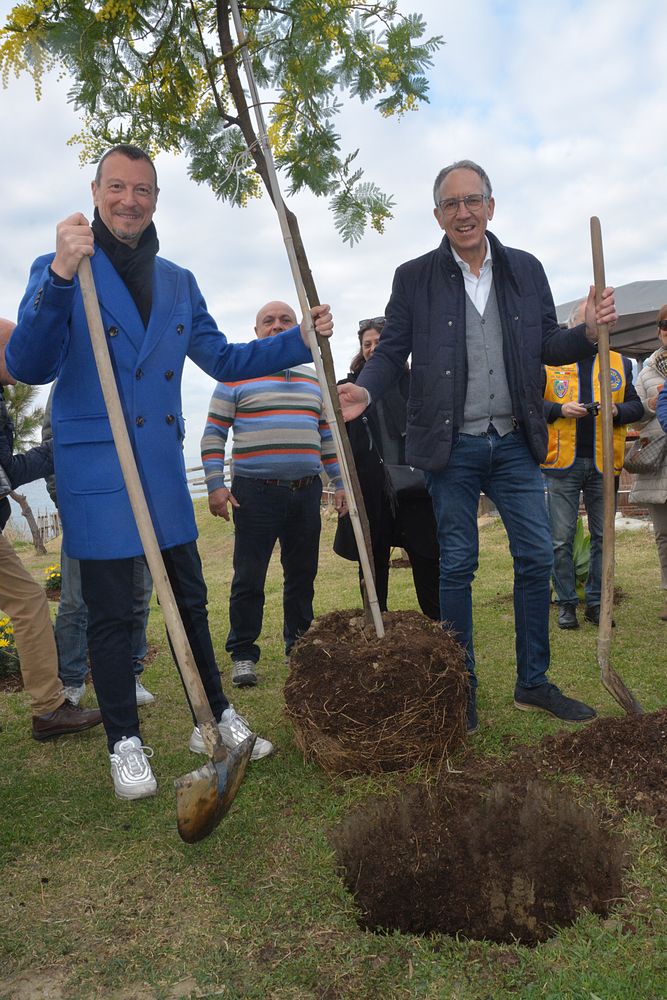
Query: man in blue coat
{"type": "Point", "coordinates": [479, 321]}
{"type": "Point", "coordinates": [154, 316]}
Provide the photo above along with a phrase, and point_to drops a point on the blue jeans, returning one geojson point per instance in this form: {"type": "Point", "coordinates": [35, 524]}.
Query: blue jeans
{"type": "Point", "coordinates": [72, 620]}
{"type": "Point", "coordinates": [563, 506]}
{"type": "Point", "coordinates": [71, 623]}
{"type": "Point", "coordinates": [267, 514]}
{"type": "Point", "coordinates": [504, 469]}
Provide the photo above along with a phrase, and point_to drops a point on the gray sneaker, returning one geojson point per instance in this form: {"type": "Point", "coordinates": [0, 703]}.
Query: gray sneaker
{"type": "Point", "coordinates": [233, 730]}
{"type": "Point", "coordinates": [144, 697]}
{"type": "Point", "coordinates": [244, 673]}
{"type": "Point", "coordinates": [130, 770]}
{"type": "Point", "coordinates": [74, 692]}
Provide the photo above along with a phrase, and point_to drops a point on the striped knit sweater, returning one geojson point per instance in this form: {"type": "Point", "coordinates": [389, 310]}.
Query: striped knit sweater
{"type": "Point", "coordinates": [279, 431]}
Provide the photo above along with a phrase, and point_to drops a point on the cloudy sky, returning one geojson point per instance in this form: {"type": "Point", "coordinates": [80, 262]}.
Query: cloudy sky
{"type": "Point", "coordinates": [563, 103]}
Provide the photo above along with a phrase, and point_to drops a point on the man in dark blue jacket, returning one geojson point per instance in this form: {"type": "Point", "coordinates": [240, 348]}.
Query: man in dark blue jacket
{"type": "Point", "coordinates": [23, 599]}
{"type": "Point", "coordinates": [479, 321]}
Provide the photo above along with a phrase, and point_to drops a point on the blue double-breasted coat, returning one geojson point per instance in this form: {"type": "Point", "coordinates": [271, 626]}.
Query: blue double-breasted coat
{"type": "Point", "coordinates": [51, 340]}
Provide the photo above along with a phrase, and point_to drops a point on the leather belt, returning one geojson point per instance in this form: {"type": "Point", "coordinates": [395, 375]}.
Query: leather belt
{"type": "Point", "coordinates": [291, 484]}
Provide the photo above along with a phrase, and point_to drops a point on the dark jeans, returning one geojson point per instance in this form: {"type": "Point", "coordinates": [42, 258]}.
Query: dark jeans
{"type": "Point", "coordinates": [504, 469]}
{"type": "Point", "coordinates": [268, 514]}
{"type": "Point", "coordinates": [108, 593]}
{"type": "Point", "coordinates": [72, 620]}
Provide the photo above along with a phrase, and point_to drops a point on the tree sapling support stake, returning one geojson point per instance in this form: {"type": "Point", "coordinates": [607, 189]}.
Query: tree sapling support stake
{"type": "Point", "coordinates": [324, 373]}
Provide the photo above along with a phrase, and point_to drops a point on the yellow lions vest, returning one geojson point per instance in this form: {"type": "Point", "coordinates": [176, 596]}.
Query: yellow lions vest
{"type": "Point", "coordinates": [563, 387]}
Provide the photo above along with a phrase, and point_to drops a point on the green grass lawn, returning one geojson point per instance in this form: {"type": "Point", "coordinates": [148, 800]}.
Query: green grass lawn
{"type": "Point", "coordinates": [101, 899]}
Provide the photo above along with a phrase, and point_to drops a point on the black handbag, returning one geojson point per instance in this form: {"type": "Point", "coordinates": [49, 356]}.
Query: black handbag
{"type": "Point", "coordinates": [405, 481]}
{"type": "Point", "coordinates": [646, 456]}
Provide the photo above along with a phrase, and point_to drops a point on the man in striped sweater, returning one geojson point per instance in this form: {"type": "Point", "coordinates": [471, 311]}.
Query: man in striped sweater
{"type": "Point", "coordinates": [281, 443]}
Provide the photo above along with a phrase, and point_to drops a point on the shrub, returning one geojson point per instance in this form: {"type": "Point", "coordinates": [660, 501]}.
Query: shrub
{"type": "Point", "coordinates": [53, 579]}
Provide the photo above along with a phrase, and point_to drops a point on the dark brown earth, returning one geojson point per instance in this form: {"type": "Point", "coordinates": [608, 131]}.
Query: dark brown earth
{"type": "Point", "coordinates": [505, 862]}
{"type": "Point", "coordinates": [501, 850]}
{"type": "Point", "coordinates": [363, 704]}
{"type": "Point", "coordinates": [626, 756]}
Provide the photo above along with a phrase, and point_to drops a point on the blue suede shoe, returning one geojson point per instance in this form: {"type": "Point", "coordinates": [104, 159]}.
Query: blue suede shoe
{"type": "Point", "coordinates": [549, 698]}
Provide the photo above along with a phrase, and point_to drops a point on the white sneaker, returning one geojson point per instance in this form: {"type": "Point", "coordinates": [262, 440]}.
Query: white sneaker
{"type": "Point", "coordinates": [233, 730]}
{"type": "Point", "coordinates": [74, 692]}
{"type": "Point", "coordinates": [144, 697]}
{"type": "Point", "coordinates": [130, 770]}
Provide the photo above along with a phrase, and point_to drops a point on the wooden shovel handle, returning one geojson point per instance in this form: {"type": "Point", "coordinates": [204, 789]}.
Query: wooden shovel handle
{"type": "Point", "coordinates": [182, 650]}
{"type": "Point", "coordinates": [610, 679]}
{"type": "Point", "coordinates": [608, 490]}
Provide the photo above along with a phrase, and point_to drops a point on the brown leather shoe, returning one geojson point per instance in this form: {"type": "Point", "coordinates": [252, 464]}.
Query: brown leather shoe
{"type": "Point", "coordinates": [67, 719]}
{"type": "Point", "coordinates": [663, 616]}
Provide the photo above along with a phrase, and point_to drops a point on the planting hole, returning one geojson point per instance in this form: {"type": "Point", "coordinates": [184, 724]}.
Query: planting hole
{"type": "Point", "coordinates": [506, 863]}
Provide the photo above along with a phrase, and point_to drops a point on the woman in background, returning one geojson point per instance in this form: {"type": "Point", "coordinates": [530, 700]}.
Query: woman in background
{"type": "Point", "coordinates": [650, 488]}
{"type": "Point", "coordinates": [402, 519]}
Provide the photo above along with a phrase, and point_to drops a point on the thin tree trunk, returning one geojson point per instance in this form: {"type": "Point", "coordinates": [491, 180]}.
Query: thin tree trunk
{"type": "Point", "coordinates": [26, 510]}
{"type": "Point", "coordinates": [252, 141]}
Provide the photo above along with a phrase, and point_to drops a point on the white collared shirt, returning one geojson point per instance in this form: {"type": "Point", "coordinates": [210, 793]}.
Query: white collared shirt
{"type": "Point", "coordinates": [477, 289]}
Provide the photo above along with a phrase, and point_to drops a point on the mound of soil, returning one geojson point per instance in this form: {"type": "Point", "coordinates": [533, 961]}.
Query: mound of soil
{"type": "Point", "coordinates": [510, 862]}
{"type": "Point", "coordinates": [627, 756]}
{"type": "Point", "coordinates": [363, 704]}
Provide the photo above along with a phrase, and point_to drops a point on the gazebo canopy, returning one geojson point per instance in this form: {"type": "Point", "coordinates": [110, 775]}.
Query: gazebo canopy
{"type": "Point", "coordinates": [637, 305]}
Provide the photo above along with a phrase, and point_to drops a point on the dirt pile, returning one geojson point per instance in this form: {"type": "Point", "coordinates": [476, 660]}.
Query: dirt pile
{"type": "Point", "coordinates": [366, 705]}
{"type": "Point", "coordinates": [627, 756]}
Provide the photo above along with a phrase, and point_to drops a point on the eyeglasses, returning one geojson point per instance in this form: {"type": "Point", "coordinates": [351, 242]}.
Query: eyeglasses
{"type": "Point", "coordinates": [473, 202]}
{"type": "Point", "coordinates": [662, 324]}
{"type": "Point", "coordinates": [376, 323]}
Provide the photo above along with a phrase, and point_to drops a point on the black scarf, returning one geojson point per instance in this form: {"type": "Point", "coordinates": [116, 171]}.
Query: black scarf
{"type": "Point", "coordinates": [135, 266]}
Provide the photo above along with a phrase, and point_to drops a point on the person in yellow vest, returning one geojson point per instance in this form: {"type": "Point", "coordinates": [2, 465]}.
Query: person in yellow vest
{"type": "Point", "coordinates": [574, 465]}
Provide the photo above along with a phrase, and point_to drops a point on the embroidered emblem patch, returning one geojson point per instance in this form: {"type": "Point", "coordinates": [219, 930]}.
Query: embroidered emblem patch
{"type": "Point", "coordinates": [561, 385]}
{"type": "Point", "coordinates": [616, 379]}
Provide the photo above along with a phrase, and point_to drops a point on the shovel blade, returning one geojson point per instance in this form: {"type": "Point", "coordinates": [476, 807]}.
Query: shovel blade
{"type": "Point", "coordinates": [204, 796]}
{"type": "Point", "coordinates": [617, 689]}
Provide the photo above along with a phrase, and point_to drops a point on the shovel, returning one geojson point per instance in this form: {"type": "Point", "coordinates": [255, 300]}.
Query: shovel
{"type": "Point", "coordinates": [610, 679]}
{"type": "Point", "coordinates": [203, 796]}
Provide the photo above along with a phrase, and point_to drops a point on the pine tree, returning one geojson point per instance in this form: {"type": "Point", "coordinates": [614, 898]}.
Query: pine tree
{"type": "Point", "coordinates": [27, 419]}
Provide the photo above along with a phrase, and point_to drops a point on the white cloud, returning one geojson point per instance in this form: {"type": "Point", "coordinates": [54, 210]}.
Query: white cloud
{"type": "Point", "coordinates": [563, 103]}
